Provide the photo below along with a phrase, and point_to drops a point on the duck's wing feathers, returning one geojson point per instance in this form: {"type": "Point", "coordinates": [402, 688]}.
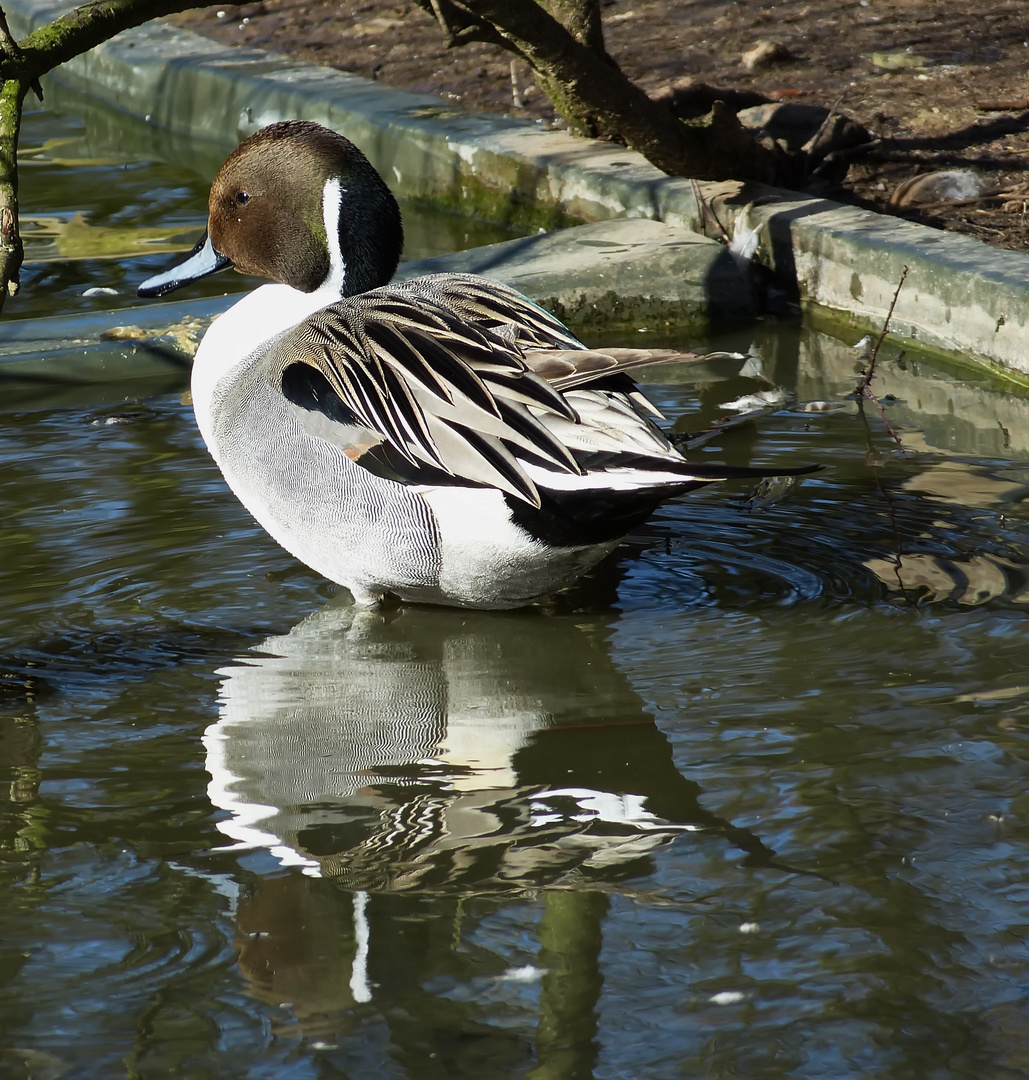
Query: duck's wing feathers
{"type": "Point", "coordinates": [415, 393]}
{"type": "Point", "coordinates": [568, 368]}
{"type": "Point", "coordinates": [491, 305]}
{"type": "Point", "coordinates": [565, 368]}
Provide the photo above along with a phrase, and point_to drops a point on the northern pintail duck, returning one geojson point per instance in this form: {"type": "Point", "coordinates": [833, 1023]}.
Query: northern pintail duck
{"type": "Point", "coordinates": [443, 440]}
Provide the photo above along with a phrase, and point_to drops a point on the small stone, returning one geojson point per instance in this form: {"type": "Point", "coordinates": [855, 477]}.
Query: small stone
{"type": "Point", "coordinates": [764, 54]}
{"type": "Point", "coordinates": [898, 61]}
{"type": "Point", "coordinates": [812, 130]}
{"type": "Point", "coordinates": [690, 98]}
{"type": "Point", "coordinates": [946, 186]}
{"type": "Point", "coordinates": [124, 333]}
{"type": "Point", "coordinates": [793, 122]}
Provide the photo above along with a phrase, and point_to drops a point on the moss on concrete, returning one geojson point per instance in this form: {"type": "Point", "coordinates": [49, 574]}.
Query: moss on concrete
{"type": "Point", "coordinates": [980, 369]}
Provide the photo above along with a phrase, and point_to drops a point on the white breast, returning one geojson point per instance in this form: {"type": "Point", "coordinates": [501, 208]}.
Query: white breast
{"type": "Point", "coordinates": [246, 327]}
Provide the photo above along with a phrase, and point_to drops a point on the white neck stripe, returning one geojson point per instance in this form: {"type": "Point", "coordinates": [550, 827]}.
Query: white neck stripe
{"type": "Point", "coordinates": [332, 202]}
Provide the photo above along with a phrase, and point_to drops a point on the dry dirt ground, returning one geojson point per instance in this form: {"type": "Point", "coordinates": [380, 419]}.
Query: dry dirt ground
{"type": "Point", "coordinates": [941, 85]}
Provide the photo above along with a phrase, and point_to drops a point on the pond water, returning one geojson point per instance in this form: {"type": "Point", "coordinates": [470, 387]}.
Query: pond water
{"type": "Point", "coordinates": [749, 802]}
{"type": "Point", "coordinates": [105, 198]}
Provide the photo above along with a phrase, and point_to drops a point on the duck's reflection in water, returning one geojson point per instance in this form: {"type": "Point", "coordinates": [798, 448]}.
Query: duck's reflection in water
{"type": "Point", "coordinates": [421, 758]}
{"type": "Point", "coordinates": [443, 750]}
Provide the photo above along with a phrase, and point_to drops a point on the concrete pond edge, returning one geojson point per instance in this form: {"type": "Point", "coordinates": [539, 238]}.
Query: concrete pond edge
{"type": "Point", "coordinates": [960, 298]}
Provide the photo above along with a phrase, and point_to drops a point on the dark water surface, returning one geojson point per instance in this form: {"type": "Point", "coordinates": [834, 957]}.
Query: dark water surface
{"type": "Point", "coordinates": [750, 802]}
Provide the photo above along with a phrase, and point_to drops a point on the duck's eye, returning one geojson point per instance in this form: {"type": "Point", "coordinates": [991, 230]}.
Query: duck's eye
{"type": "Point", "coordinates": [242, 198]}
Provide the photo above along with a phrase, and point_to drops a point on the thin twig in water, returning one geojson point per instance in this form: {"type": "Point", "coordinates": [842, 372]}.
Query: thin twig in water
{"type": "Point", "coordinates": [864, 387]}
{"type": "Point", "coordinates": [869, 374]}
{"type": "Point", "coordinates": [875, 460]}
{"type": "Point", "coordinates": [882, 416]}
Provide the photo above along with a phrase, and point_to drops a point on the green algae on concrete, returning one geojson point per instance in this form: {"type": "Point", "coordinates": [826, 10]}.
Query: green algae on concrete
{"type": "Point", "coordinates": [845, 327]}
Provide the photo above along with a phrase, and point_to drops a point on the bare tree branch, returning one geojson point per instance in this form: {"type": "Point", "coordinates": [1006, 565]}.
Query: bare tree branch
{"type": "Point", "coordinates": [581, 18]}
{"type": "Point", "coordinates": [11, 252]}
{"type": "Point", "coordinates": [12, 95]}
{"type": "Point", "coordinates": [9, 48]}
{"type": "Point", "coordinates": [596, 98]}
{"type": "Point", "coordinates": [88, 26]}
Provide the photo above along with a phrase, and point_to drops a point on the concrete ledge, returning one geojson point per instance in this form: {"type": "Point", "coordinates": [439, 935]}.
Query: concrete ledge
{"type": "Point", "coordinates": [961, 297]}
{"type": "Point", "coordinates": [75, 349]}
{"type": "Point", "coordinates": [614, 275]}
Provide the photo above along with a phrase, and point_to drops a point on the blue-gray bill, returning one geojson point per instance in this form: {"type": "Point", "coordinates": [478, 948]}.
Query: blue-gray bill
{"type": "Point", "coordinates": [203, 261]}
